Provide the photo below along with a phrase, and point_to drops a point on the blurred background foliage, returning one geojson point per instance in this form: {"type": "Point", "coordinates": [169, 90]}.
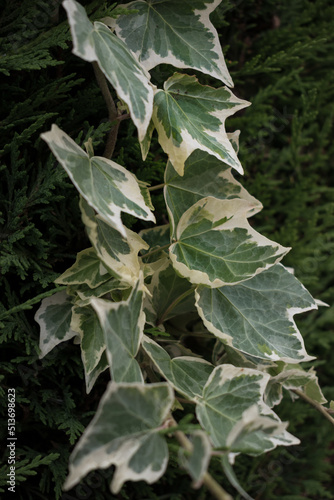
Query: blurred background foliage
{"type": "Point", "coordinates": [281, 58]}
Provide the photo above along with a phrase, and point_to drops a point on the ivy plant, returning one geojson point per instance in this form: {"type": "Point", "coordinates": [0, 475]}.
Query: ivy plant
{"type": "Point", "coordinates": [193, 319]}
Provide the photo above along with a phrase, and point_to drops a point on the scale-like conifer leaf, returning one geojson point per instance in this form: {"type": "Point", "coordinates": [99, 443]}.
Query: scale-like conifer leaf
{"type": "Point", "coordinates": [119, 255]}
{"type": "Point", "coordinates": [186, 374]}
{"type": "Point", "coordinates": [54, 318]}
{"type": "Point", "coordinates": [96, 42]}
{"type": "Point", "coordinates": [256, 316]}
{"type": "Point", "coordinates": [174, 32]}
{"type": "Point", "coordinates": [123, 325]}
{"type": "Point", "coordinates": [106, 186]}
{"type": "Point", "coordinates": [204, 175]}
{"type": "Point", "coordinates": [216, 246]}
{"type": "Point", "coordinates": [230, 392]}
{"type": "Point", "coordinates": [189, 116]}
{"type": "Point", "coordinates": [123, 433]}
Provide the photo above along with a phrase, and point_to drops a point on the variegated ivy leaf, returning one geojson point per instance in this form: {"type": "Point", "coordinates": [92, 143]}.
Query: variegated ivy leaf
{"type": "Point", "coordinates": [95, 42]}
{"type": "Point", "coordinates": [229, 392]}
{"type": "Point", "coordinates": [173, 32]}
{"type": "Point", "coordinates": [197, 461]}
{"type": "Point", "coordinates": [189, 116]}
{"type": "Point", "coordinates": [86, 323]}
{"type": "Point", "coordinates": [123, 325]}
{"type": "Point", "coordinates": [216, 246]}
{"type": "Point", "coordinates": [90, 378]}
{"type": "Point", "coordinates": [292, 377]}
{"type": "Point", "coordinates": [87, 269]}
{"type": "Point", "coordinates": [256, 316]}
{"type": "Point", "coordinates": [119, 255]}
{"type": "Point", "coordinates": [170, 296]}
{"type": "Point", "coordinates": [84, 293]}
{"type": "Point", "coordinates": [204, 175]}
{"type": "Point", "coordinates": [124, 433]}
{"type": "Point", "coordinates": [54, 318]}
{"type": "Point", "coordinates": [106, 186]}
{"type": "Point", "coordinates": [186, 374]}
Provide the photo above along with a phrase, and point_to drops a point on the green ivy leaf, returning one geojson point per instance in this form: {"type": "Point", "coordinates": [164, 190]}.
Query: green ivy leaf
{"type": "Point", "coordinates": [123, 325]}
{"type": "Point", "coordinates": [216, 245]}
{"type": "Point", "coordinates": [86, 323]}
{"type": "Point", "coordinates": [197, 461]}
{"type": "Point", "coordinates": [87, 269]}
{"type": "Point", "coordinates": [204, 175]}
{"type": "Point", "coordinates": [54, 318]}
{"type": "Point", "coordinates": [256, 316]}
{"type": "Point", "coordinates": [95, 42]}
{"type": "Point", "coordinates": [173, 32]}
{"type": "Point", "coordinates": [124, 433]}
{"type": "Point", "coordinates": [189, 116]}
{"type": "Point", "coordinates": [228, 395]}
{"type": "Point", "coordinates": [119, 255]}
{"type": "Point", "coordinates": [186, 374]}
{"type": "Point", "coordinates": [166, 290]}
{"type": "Point", "coordinates": [106, 186]}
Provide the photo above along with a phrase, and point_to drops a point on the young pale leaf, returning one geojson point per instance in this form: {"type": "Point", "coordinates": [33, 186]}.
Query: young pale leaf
{"type": "Point", "coordinates": [293, 377]}
{"type": "Point", "coordinates": [174, 32]}
{"type": "Point", "coordinates": [216, 246]}
{"type": "Point", "coordinates": [54, 318]}
{"type": "Point", "coordinates": [197, 462]}
{"type": "Point", "coordinates": [106, 186]}
{"type": "Point", "coordinates": [123, 325]}
{"type": "Point", "coordinates": [256, 316]}
{"type": "Point", "coordinates": [186, 374]}
{"type": "Point", "coordinates": [229, 392]}
{"type": "Point", "coordinates": [85, 321]}
{"type": "Point", "coordinates": [87, 269]}
{"type": "Point", "coordinates": [167, 290]}
{"type": "Point", "coordinates": [95, 42]}
{"type": "Point", "coordinates": [204, 175]}
{"type": "Point", "coordinates": [124, 433]}
{"type": "Point", "coordinates": [189, 116]}
{"type": "Point", "coordinates": [119, 255]}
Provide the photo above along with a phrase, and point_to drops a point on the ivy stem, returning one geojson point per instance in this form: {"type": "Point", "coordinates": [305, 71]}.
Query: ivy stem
{"type": "Point", "coordinates": [158, 186]}
{"type": "Point", "coordinates": [154, 251]}
{"type": "Point", "coordinates": [316, 405]}
{"type": "Point", "coordinates": [112, 111]}
{"type": "Point", "coordinates": [172, 305]}
{"type": "Point", "coordinates": [215, 489]}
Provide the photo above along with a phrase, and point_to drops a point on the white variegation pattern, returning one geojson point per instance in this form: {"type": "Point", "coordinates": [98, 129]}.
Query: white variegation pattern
{"type": "Point", "coordinates": [256, 316]}
{"type": "Point", "coordinates": [216, 246]}
{"type": "Point", "coordinates": [96, 42]}
{"type": "Point", "coordinates": [189, 116]}
{"type": "Point", "coordinates": [106, 186]}
{"type": "Point", "coordinates": [131, 443]}
{"type": "Point", "coordinates": [54, 318]}
{"type": "Point", "coordinates": [174, 32]}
